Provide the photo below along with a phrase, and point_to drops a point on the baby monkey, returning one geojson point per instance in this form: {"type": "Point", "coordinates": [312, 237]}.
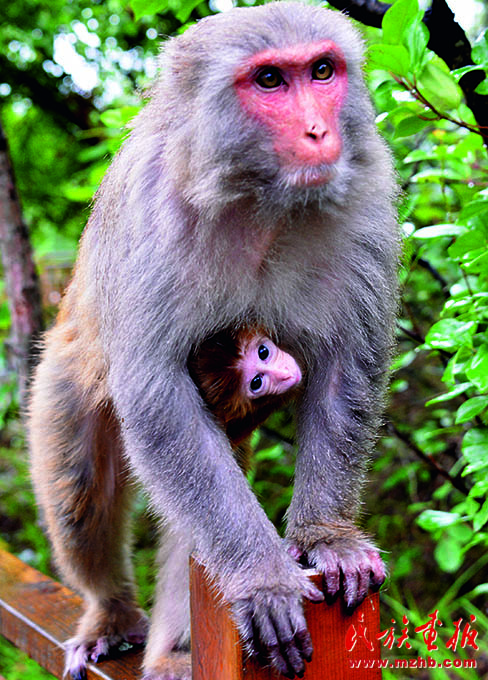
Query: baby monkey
{"type": "Point", "coordinates": [243, 376]}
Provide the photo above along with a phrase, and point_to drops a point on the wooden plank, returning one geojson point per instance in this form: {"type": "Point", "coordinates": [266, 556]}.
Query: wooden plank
{"type": "Point", "coordinates": [216, 652]}
{"type": "Point", "coordinates": [38, 615]}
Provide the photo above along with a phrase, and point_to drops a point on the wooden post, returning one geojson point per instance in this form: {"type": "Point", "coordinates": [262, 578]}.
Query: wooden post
{"type": "Point", "coordinates": [343, 645]}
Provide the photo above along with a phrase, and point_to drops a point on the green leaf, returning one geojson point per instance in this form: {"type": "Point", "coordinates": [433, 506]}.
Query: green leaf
{"type": "Point", "coordinates": [478, 264]}
{"type": "Point", "coordinates": [450, 334]}
{"type": "Point", "coordinates": [403, 360]}
{"type": "Point", "coordinates": [479, 489]}
{"type": "Point", "coordinates": [419, 155]}
{"type": "Point", "coordinates": [416, 38]}
{"type": "Point", "coordinates": [481, 517]}
{"type": "Point", "coordinates": [430, 520]}
{"type": "Point", "coordinates": [471, 408]}
{"type": "Point", "coordinates": [457, 364]}
{"type": "Point", "coordinates": [391, 58]}
{"type": "Point", "coordinates": [479, 51]}
{"type": "Point", "coordinates": [439, 230]}
{"type": "Point", "coordinates": [4, 316]}
{"type": "Point", "coordinates": [468, 242]}
{"type": "Point", "coordinates": [119, 117]}
{"type": "Point", "coordinates": [441, 175]}
{"type": "Point", "coordinates": [448, 554]}
{"type": "Point", "coordinates": [437, 85]}
{"type": "Point", "coordinates": [410, 125]}
{"type": "Point", "coordinates": [475, 450]}
{"type": "Point", "coordinates": [273, 453]}
{"type": "Point", "coordinates": [477, 371]}
{"type": "Point", "coordinates": [458, 73]}
{"type": "Point", "coordinates": [482, 87]}
{"type": "Point", "coordinates": [397, 20]}
{"type": "Point", "coordinates": [187, 7]}
{"type": "Point", "coordinates": [459, 389]}
{"type": "Point", "coordinates": [78, 194]}
{"type": "Point", "coordinates": [148, 7]}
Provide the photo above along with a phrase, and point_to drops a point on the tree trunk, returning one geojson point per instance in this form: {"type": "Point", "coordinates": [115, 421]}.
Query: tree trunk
{"type": "Point", "coordinates": [21, 279]}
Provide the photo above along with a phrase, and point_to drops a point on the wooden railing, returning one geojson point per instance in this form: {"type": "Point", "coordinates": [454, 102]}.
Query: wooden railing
{"type": "Point", "coordinates": [38, 614]}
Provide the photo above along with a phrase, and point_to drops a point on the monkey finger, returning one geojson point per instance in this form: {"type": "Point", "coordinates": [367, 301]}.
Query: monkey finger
{"type": "Point", "coordinates": [290, 647]}
{"type": "Point", "coordinates": [332, 582]}
{"type": "Point", "coordinates": [327, 562]}
{"type": "Point", "coordinates": [293, 659]}
{"type": "Point", "coordinates": [277, 660]}
{"type": "Point", "coordinates": [378, 572]}
{"type": "Point", "coordinates": [364, 577]}
{"type": "Point", "coordinates": [304, 642]}
{"type": "Point", "coordinates": [243, 617]}
{"type": "Point", "coordinates": [266, 647]}
{"type": "Point", "coordinates": [302, 637]}
{"type": "Point", "coordinates": [100, 648]}
{"type": "Point", "coordinates": [294, 551]}
{"type": "Point", "coordinates": [312, 593]}
{"type": "Point", "coordinates": [350, 588]}
{"type": "Point", "coordinates": [266, 632]}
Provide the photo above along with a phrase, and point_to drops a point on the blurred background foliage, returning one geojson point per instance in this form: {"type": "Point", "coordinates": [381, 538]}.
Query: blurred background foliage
{"type": "Point", "coordinates": [72, 74]}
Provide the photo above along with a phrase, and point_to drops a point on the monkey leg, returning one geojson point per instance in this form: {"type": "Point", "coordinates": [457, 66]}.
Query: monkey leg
{"type": "Point", "coordinates": [169, 634]}
{"type": "Point", "coordinates": [336, 427]}
{"type": "Point", "coordinates": [82, 488]}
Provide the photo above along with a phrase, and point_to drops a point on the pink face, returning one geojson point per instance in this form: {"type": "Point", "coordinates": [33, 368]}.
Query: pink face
{"type": "Point", "coordinates": [266, 369]}
{"type": "Point", "coordinates": [296, 93]}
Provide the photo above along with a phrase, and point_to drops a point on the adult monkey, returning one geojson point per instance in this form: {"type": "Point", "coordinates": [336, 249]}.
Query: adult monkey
{"type": "Point", "coordinates": [253, 189]}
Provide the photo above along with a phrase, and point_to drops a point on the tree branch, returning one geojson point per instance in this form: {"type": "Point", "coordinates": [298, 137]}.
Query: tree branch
{"type": "Point", "coordinates": [447, 40]}
{"type": "Point", "coordinates": [368, 12]}
{"type": "Point", "coordinates": [457, 482]}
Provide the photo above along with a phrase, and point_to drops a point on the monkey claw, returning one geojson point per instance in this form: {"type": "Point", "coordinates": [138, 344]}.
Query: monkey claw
{"type": "Point", "coordinates": [80, 652]}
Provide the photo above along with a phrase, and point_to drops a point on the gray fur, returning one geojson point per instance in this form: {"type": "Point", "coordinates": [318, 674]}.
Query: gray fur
{"type": "Point", "coordinates": [175, 251]}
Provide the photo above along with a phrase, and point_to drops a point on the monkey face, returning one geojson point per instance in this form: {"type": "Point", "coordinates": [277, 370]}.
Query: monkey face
{"type": "Point", "coordinates": [296, 94]}
{"type": "Point", "coordinates": [266, 369]}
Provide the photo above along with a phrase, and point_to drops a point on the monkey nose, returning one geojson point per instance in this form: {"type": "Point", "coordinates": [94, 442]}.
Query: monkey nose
{"type": "Point", "coordinates": [289, 375]}
{"type": "Point", "coordinates": [316, 132]}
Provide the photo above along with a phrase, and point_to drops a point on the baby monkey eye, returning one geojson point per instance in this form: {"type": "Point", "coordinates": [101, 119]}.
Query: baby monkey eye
{"type": "Point", "coordinates": [269, 77]}
{"type": "Point", "coordinates": [256, 383]}
{"type": "Point", "coordinates": [322, 70]}
{"type": "Point", "coordinates": [263, 352]}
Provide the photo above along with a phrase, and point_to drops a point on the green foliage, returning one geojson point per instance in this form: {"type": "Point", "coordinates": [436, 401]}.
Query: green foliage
{"type": "Point", "coordinates": [16, 665]}
{"type": "Point", "coordinates": [443, 328]}
{"type": "Point", "coordinates": [181, 10]}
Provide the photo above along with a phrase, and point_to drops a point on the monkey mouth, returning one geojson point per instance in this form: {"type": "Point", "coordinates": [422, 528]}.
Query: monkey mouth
{"type": "Point", "coordinates": [292, 380]}
{"type": "Point", "coordinates": [309, 176]}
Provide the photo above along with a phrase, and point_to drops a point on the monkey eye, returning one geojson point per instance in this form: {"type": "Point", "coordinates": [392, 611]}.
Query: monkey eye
{"type": "Point", "coordinates": [269, 77]}
{"type": "Point", "coordinates": [256, 383]}
{"type": "Point", "coordinates": [263, 352]}
{"type": "Point", "coordinates": [322, 70]}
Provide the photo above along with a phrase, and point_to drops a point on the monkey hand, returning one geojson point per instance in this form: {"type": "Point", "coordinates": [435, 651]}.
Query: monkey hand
{"type": "Point", "coordinates": [350, 563]}
{"type": "Point", "coordinates": [273, 627]}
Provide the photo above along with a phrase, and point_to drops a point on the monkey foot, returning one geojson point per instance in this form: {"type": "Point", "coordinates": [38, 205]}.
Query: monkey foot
{"type": "Point", "coordinates": [351, 565]}
{"type": "Point", "coordinates": [83, 649]}
{"type": "Point", "coordinates": [175, 666]}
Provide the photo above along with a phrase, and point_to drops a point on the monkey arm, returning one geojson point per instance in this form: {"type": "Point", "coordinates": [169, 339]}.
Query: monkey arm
{"type": "Point", "coordinates": [186, 464]}
{"type": "Point", "coordinates": [337, 421]}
